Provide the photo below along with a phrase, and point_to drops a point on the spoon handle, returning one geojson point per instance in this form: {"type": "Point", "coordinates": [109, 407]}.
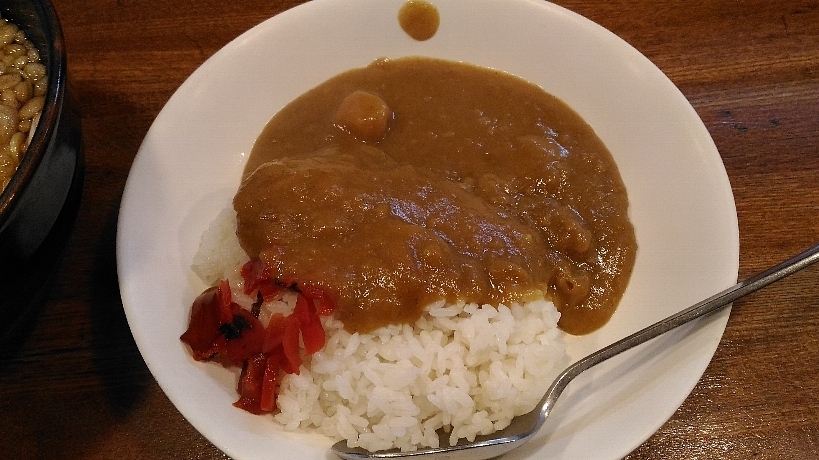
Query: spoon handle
{"type": "Point", "coordinates": [709, 305]}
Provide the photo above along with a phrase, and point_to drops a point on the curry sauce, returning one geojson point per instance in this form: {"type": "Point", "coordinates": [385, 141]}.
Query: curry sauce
{"type": "Point", "coordinates": [415, 180]}
{"type": "Point", "coordinates": [419, 19]}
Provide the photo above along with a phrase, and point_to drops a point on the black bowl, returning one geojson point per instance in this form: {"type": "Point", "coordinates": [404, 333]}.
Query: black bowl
{"type": "Point", "coordinates": [39, 205]}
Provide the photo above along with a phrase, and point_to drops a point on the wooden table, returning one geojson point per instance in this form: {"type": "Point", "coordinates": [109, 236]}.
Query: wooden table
{"type": "Point", "coordinates": [76, 387]}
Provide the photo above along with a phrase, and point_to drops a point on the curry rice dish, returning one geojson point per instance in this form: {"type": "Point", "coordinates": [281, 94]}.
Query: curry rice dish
{"type": "Point", "coordinates": [450, 212]}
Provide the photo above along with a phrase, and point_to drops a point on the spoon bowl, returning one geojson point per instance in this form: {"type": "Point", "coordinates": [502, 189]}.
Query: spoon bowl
{"type": "Point", "coordinates": [524, 427]}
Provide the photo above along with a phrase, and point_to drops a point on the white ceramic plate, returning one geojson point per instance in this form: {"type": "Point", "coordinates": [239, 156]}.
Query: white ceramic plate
{"type": "Point", "coordinates": [189, 165]}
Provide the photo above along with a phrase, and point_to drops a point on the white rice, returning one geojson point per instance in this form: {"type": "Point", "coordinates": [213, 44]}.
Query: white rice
{"type": "Point", "coordinates": [464, 367]}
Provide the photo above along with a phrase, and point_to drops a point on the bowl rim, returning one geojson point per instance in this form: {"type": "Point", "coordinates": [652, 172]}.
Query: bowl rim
{"type": "Point", "coordinates": [55, 63]}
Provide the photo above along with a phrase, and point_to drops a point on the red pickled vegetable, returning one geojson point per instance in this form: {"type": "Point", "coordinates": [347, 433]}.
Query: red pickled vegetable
{"type": "Point", "coordinates": [275, 331]}
{"type": "Point", "coordinates": [254, 273]}
{"type": "Point", "coordinates": [251, 382]}
{"type": "Point", "coordinates": [270, 382]}
{"type": "Point", "coordinates": [290, 345]}
{"type": "Point", "coordinates": [221, 329]}
{"type": "Point", "coordinates": [256, 276]}
{"type": "Point", "coordinates": [312, 334]}
{"type": "Point", "coordinates": [209, 312]}
{"type": "Point", "coordinates": [304, 310]}
{"type": "Point", "coordinates": [325, 306]}
{"type": "Point", "coordinates": [250, 340]}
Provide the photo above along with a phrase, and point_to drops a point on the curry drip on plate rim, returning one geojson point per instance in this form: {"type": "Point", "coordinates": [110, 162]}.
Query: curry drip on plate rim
{"type": "Point", "coordinates": [419, 19]}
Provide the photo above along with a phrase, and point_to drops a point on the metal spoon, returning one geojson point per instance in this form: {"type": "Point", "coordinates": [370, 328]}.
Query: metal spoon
{"type": "Point", "coordinates": [525, 426]}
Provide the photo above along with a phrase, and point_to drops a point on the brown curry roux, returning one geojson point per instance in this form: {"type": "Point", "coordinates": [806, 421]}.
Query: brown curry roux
{"type": "Point", "coordinates": [414, 180]}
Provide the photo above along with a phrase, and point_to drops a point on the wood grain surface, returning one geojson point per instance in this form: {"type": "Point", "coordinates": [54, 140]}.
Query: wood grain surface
{"type": "Point", "coordinates": [75, 387]}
